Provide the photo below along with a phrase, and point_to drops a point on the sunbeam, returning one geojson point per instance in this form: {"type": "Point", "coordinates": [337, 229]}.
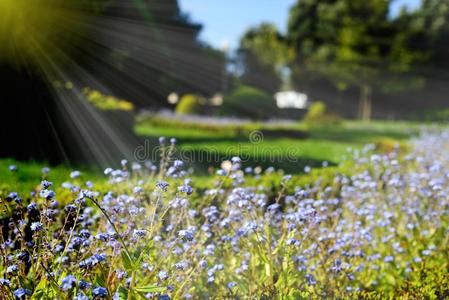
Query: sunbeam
{"type": "Point", "coordinates": [138, 50]}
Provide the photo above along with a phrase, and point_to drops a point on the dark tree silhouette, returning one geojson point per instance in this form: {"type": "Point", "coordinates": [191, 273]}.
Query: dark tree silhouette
{"type": "Point", "coordinates": [140, 50]}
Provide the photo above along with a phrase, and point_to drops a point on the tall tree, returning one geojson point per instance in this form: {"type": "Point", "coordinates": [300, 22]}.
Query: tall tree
{"type": "Point", "coordinates": [351, 43]}
{"type": "Point", "coordinates": [311, 25]}
{"type": "Point", "coordinates": [263, 54]}
{"type": "Point", "coordinates": [140, 50]}
{"type": "Point", "coordinates": [431, 21]}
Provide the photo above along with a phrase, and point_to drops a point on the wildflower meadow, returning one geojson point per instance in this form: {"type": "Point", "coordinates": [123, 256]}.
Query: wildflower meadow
{"type": "Point", "coordinates": [378, 231]}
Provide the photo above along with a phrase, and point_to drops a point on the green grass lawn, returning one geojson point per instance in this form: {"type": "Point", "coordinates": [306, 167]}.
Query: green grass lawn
{"type": "Point", "coordinates": [324, 144]}
{"type": "Point", "coordinates": [207, 148]}
{"type": "Point", "coordinates": [28, 175]}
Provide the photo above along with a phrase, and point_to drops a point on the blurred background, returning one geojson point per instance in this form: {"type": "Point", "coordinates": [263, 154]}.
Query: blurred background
{"type": "Point", "coordinates": [86, 82]}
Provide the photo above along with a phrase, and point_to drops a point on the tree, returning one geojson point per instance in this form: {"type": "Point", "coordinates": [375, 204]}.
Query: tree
{"type": "Point", "coordinates": [248, 102]}
{"type": "Point", "coordinates": [311, 25]}
{"type": "Point", "coordinates": [351, 43]}
{"type": "Point", "coordinates": [430, 24]}
{"type": "Point", "coordinates": [140, 50]}
{"type": "Point", "coordinates": [264, 53]}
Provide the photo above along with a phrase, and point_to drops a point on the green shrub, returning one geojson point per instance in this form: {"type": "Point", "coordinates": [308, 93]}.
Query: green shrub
{"type": "Point", "coordinates": [318, 115]}
{"type": "Point", "coordinates": [434, 115]}
{"type": "Point", "coordinates": [228, 129]}
{"type": "Point", "coordinates": [189, 105]}
{"type": "Point", "coordinates": [105, 102]}
{"type": "Point", "coordinates": [249, 102]}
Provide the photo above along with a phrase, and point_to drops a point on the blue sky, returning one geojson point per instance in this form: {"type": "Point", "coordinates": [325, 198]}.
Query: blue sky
{"type": "Point", "coordinates": [226, 20]}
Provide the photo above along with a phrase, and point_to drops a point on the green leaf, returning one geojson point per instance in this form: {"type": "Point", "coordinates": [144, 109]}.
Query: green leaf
{"type": "Point", "coordinates": [43, 291]}
{"type": "Point", "coordinates": [127, 261]}
{"type": "Point", "coordinates": [122, 293]}
{"type": "Point", "coordinates": [139, 253]}
{"type": "Point", "coordinates": [150, 289]}
{"type": "Point", "coordinates": [101, 279]}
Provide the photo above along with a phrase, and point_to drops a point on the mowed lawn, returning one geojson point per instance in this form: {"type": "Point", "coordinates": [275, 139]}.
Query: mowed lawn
{"type": "Point", "coordinates": [328, 144]}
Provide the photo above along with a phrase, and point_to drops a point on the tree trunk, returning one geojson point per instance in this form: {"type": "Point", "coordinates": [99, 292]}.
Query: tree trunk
{"type": "Point", "coordinates": [365, 102]}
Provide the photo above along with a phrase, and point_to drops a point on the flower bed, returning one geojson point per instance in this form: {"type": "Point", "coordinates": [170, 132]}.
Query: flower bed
{"type": "Point", "coordinates": [381, 231]}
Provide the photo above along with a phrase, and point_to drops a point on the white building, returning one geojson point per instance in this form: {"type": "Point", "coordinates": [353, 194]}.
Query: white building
{"type": "Point", "coordinates": [291, 99]}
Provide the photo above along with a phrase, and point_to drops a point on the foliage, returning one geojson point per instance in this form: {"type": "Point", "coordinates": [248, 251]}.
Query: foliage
{"type": "Point", "coordinates": [317, 115]}
{"type": "Point", "coordinates": [106, 102]}
{"type": "Point", "coordinates": [263, 54]}
{"type": "Point", "coordinates": [206, 142]}
{"type": "Point", "coordinates": [431, 22]}
{"type": "Point", "coordinates": [197, 126]}
{"type": "Point", "coordinates": [434, 115]}
{"type": "Point", "coordinates": [249, 102]}
{"type": "Point", "coordinates": [189, 104]}
{"type": "Point", "coordinates": [354, 43]}
{"type": "Point", "coordinates": [370, 230]}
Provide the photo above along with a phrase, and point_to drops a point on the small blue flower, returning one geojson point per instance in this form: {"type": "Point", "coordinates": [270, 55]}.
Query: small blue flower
{"type": "Point", "coordinates": [123, 162]}
{"type": "Point", "coordinates": [20, 293]}
{"type": "Point", "coordinates": [187, 234]}
{"type": "Point", "coordinates": [137, 190]}
{"type": "Point", "coordinates": [75, 174]}
{"type": "Point", "coordinates": [162, 275]}
{"type": "Point", "coordinates": [178, 164]}
{"type": "Point", "coordinates": [12, 196]}
{"type": "Point", "coordinates": [12, 168]}
{"type": "Point", "coordinates": [32, 206]}
{"type": "Point", "coordinates": [36, 226]}
{"type": "Point", "coordinates": [203, 264]}
{"type": "Point", "coordinates": [100, 292]}
{"type": "Point", "coordinates": [163, 185]}
{"type": "Point", "coordinates": [84, 284]}
{"type": "Point", "coordinates": [47, 194]}
{"type": "Point", "coordinates": [187, 189]}
{"type": "Point", "coordinates": [86, 194]}
{"type": "Point", "coordinates": [59, 248]}
{"type": "Point", "coordinates": [136, 167]}
{"type": "Point", "coordinates": [286, 178]}
{"type": "Point", "coordinates": [92, 261]}
{"type": "Point", "coordinates": [293, 242]}
{"type": "Point", "coordinates": [68, 283]}
{"type": "Point", "coordinates": [12, 269]}
{"type": "Point", "coordinates": [310, 279]}
{"type": "Point", "coordinates": [84, 233]}
{"type": "Point", "coordinates": [388, 258]}
{"type": "Point", "coordinates": [221, 172]}
{"type": "Point", "coordinates": [4, 282]}
{"type": "Point", "coordinates": [46, 184]}
{"type": "Point", "coordinates": [102, 237]}
{"type": "Point", "coordinates": [80, 296]}
{"type": "Point", "coordinates": [417, 259]}
{"type": "Point", "coordinates": [236, 160]}
{"type": "Point", "coordinates": [70, 208]}
{"type": "Point", "coordinates": [140, 232]}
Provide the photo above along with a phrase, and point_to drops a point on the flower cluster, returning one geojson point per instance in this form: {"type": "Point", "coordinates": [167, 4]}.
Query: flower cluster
{"type": "Point", "coordinates": [154, 234]}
